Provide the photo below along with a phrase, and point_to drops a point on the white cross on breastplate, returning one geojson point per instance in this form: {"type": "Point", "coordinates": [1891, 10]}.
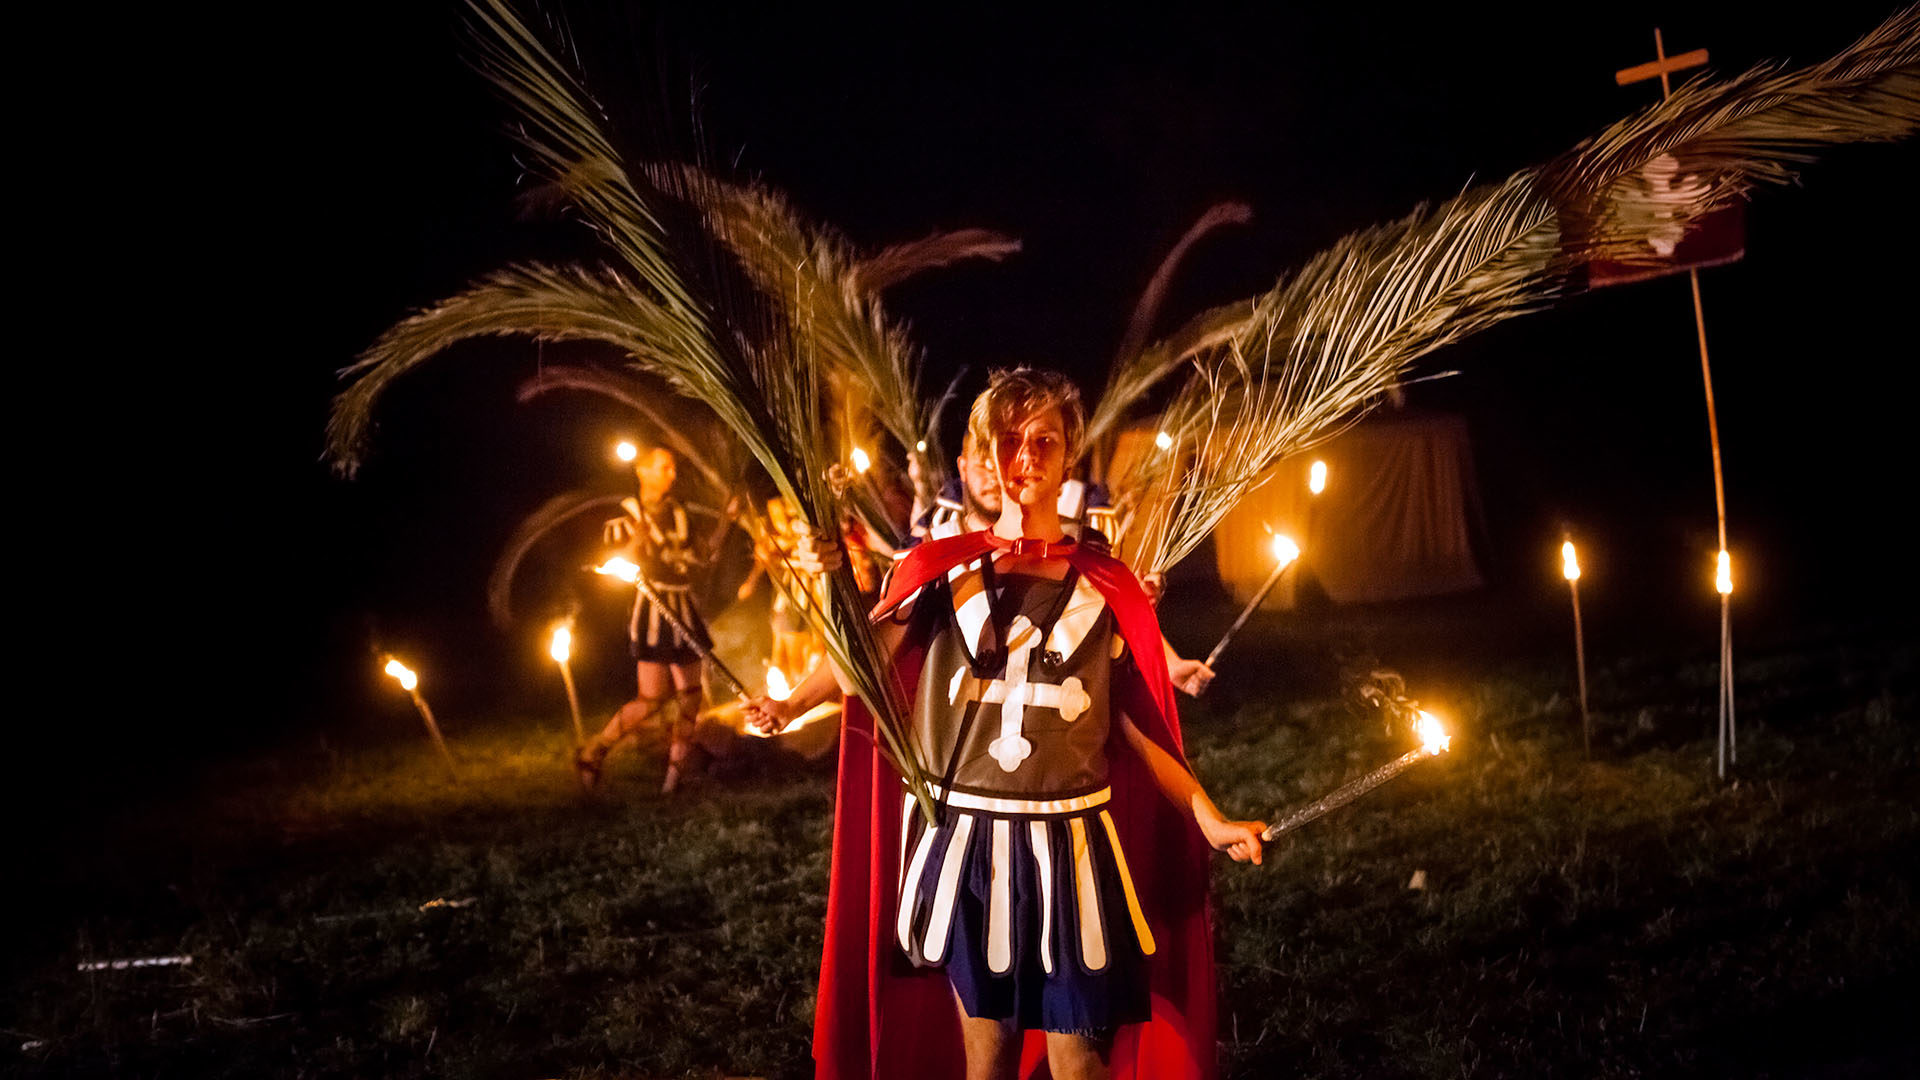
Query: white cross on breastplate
{"type": "Point", "coordinates": [1014, 693]}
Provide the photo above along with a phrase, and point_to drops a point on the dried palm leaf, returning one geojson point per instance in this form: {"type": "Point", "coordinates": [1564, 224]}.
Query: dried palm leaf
{"type": "Point", "coordinates": [1324, 345]}
{"type": "Point", "coordinates": [546, 303]}
{"type": "Point", "coordinates": [666, 307]}
{"type": "Point", "coordinates": [1137, 368]}
{"type": "Point", "coordinates": [892, 265]}
{"type": "Point", "coordinates": [816, 274]}
{"type": "Point", "coordinates": [1727, 137]}
{"type": "Point", "coordinates": [628, 389]}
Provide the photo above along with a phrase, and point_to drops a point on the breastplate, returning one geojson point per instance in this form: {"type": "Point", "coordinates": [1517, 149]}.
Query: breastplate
{"type": "Point", "coordinates": [664, 553]}
{"type": "Point", "coordinates": [1014, 695]}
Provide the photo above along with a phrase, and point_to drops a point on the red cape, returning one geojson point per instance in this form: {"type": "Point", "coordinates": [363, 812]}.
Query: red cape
{"type": "Point", "coordinates": [877, 1017]}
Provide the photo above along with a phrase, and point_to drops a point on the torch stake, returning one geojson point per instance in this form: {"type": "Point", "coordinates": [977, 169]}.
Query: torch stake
{"type": "Point", "coordinates": [433, 729]}
{"type": "Point", "coordinates": [1247, 612]}
{"type": "Point", "coordinates": [693, 642]}
{"type": "Point", "coordinates": [1346, 793]}
{"type": "Point", "coordinates": [1580, 667]}
{"type": "Point", "coordinates": [1729, 741]}
{"type": "Point", "coordinates": [573, 701]}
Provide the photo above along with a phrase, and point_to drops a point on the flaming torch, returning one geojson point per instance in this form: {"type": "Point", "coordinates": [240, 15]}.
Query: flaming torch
{"type": "Point", "coordinates": [561, 649]}
{"type": "Point", "coordinates": [861, 462]}
{"type": "Point", "coordinates": [627, 571]}
{"type": "Point", "coordinates": [779, 688]}
{"type": "Point", "coordinates": [1570, 569]}
{"type": "Point", "coordinates": [626, 451]}
{"type": "Point", "coordinates": [1285, 554]}
{"type": "Point", "coordinates": [410, 682]}
{"type": "Point", "coordinates": [1434, 741]}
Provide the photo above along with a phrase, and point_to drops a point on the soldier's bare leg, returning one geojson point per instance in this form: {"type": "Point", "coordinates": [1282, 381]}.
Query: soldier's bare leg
{"type": "Point", "coordinates": [655, 693]}
{"type": "Point", "coordinates": [686, 683]}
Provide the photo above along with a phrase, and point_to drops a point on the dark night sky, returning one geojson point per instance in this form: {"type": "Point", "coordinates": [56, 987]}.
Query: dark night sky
{"type": "Point", "coordinates": [294, 181]}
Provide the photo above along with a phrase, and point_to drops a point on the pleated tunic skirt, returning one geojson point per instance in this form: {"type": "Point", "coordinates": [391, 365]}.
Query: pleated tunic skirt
{"type": "Point", "coordinates": [1031, 909]}
{"type": "Point", "coordinates": [653, 638]}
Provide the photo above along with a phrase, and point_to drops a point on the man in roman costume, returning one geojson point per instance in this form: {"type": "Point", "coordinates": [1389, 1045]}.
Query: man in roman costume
{"type": "Point", "coordinates": [667, 660]}
{"type": "Point", "coordinates": [1056, 908]}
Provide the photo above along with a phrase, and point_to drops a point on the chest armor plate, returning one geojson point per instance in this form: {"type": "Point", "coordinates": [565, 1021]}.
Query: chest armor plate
{"type": "Point", "coordinates": [1014, 695]}
{"type": "Point", "coordinates": [663, 554]}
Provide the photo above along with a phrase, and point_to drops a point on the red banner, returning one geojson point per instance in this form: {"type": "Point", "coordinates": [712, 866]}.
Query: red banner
{"type": "Point", "coordinates": [1655, 204]}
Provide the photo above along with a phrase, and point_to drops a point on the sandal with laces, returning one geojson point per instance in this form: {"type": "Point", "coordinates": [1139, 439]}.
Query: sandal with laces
{"type": "Point", "coordinates": [587, 766]}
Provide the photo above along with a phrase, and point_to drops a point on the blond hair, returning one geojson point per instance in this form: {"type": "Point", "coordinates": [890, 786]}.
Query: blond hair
{"type": "Point", "coordinates": [1012, 394]}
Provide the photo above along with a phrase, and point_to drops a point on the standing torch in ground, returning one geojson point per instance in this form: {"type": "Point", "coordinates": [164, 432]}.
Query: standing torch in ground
{"type": "Point", "coordinates": [1285, 554]}
{"type": "Point", "coordinates": [1729, 742]}
{"type": "Point", "coordinates": [1316, 487]}
{"type": "Point", "coordinates": [1434, 741]}
{"type": "Point", "coordinates": [561, 649]}
{"type": "Point", "coordinates": [1570, 569]}
{"type": "Point", "coordinates": [410, 682]}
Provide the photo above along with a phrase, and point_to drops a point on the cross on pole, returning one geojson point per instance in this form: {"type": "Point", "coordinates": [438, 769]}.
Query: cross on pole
{"type": "Point", "coordinates": [1660, 66]}
{"type": "Point", "coordinates": [1727, 746]}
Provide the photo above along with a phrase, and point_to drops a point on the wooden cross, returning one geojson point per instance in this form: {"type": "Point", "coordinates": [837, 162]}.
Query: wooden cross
{"type": "Point", "coordinates": [1727, 747]}
{"type": "Point", "coordinates": [1660, 66]}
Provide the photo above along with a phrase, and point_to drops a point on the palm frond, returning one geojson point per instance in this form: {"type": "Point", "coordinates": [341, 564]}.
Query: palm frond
{"type": "Point", "coordinates": [1137, 368]}
{"type": "Point", "coordinates": [815, 274]}
{"type": "Point", "coordinates": [628, 389]}
{"type": "Point", "coordinates": [1724, 138]}
{"type": "Point", "coordinates": [756, 373]}
{"type": "Point", "coordinates": [892, 265]}
{"type": "Point", "coordinates": [1207, 330]}
{"type": "Point", "coordinates": [546, 303]}
{"type": "Point", "coordinates": [1318, 350]}
{"type": "Point", "coordinates": [563, 128]}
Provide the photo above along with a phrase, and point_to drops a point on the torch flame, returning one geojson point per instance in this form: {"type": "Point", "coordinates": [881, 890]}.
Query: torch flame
{"type": "Point", "coordinates": [1317, 477]}
{"type": "Point", "coordinates": [1433, 737]}
{"type": "Point", "coordinates": [1284, 549]}
{"type": "Point", "coordinates": [921, 446]}
{"type": "Point", "coordinates": [408, 680]}
{"type": "Point", "coordinates": [1163, 440]}
{"type": "Point", "coordinates": [1569, 564]}
{"type": "Point", "coordinates": [778, 688]}
{"type": "Point", "coordinates": [1723, 574]}
{"type": "Point", "coordinates": [562, 646]}
{"type": "Point", "coordinates": [620, 568]}
{"type": "Point", "coordinates": [861, 462]}
{"type": "Point", "coordinates": [626, 451]}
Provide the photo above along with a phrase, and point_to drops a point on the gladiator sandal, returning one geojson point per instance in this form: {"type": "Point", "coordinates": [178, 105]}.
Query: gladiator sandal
{"type": "Point", "coordinates": [588, 761]}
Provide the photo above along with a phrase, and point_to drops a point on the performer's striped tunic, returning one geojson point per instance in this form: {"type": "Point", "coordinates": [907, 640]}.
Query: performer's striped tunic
{"type": "Point", "coordinates": [1021, 891]}
{"type": "Point", "coordinates": [665, 558]}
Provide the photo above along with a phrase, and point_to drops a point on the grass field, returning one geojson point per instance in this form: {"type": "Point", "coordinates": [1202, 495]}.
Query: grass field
{"type": "Point", "coordinates": [358, 914]}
